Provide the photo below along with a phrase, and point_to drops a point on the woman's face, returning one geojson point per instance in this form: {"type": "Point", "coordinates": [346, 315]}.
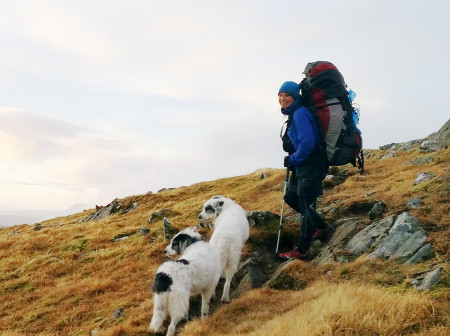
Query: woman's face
{"type": "Point", "coordinates": [285, 100]}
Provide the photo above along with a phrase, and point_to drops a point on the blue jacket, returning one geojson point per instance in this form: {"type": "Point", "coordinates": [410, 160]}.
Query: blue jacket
{"type": "Point", "coordinates": [302, 132]}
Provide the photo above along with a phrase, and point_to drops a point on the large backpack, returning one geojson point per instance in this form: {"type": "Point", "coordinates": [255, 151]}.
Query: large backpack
{"type": "Point", "coordinates": [325, 94]}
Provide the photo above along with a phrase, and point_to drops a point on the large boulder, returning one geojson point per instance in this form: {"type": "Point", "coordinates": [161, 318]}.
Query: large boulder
{"type": "Point", "coordinates": [370, 237]}
{"type": "Point", "coordinates": [405, 238]}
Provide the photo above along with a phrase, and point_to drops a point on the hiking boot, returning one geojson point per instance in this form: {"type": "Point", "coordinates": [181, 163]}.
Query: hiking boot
{"type": "Point", "coordinates": [295, 254]}
{"type": "Point", "coordinates": [323, 235]}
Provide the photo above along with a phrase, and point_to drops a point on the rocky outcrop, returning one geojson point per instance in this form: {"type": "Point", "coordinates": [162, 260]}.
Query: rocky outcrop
{"type": "Point", "coordinates": [260, 218]}
{"type": "Point", "coordinates": [158, 215]}
{"type": "Point", "coordinates": [168, 229]}
{"type": "Point", "coordinates": [404, 239]}
{"type": "Point", "coordinates": [377, 210]}
{"type": "Point", "coordinates": [400, 238]}
{"type": "Point", "coordinates": [429, 280]}
{"type": "Point", "coordinates": [423, 177]}
{"type": "Point", "coordinates": [115, 206]}
{"type": "Point", "coordinates": [440, 139]}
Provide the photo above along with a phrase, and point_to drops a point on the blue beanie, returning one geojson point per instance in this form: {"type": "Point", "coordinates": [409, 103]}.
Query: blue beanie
{"type": "Point", "coordinates": [291, 88]}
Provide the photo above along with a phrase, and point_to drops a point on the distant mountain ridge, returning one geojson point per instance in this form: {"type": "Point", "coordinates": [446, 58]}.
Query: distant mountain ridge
{"type": "Point", "coordinates": [11, 218]}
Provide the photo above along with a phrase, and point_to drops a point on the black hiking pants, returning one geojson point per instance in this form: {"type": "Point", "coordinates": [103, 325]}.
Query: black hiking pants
{"type": "Point", "coordinates": [301, 195]}
{"type": "Point", "coordinates": [310, 221]}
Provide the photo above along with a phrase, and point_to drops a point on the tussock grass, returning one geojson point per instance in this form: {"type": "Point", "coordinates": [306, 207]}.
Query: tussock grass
{"type": "Point", "coordinates": [324, 308]}
{"type": "Point", "coordinates": [70, 277]}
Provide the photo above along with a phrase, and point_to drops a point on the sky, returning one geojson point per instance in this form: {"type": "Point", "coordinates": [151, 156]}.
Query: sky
{"type": "Point", "coordinates": [105, 99]}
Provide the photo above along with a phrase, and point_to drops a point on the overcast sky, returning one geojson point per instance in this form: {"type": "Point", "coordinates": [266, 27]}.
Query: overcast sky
{"type": "Point", "coordinates": [104, 99]}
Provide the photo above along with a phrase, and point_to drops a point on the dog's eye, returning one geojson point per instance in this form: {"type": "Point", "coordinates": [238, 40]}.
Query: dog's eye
{"type": "Point", "coordinates": [209, 209]}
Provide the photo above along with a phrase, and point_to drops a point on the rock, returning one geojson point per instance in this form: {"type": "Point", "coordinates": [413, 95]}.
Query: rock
{"type": "Point", "coordinates": [388, 146]}
{"type": "Point", "coordinates": [331, 252]}
{"type": "Point", "coordinates": [404, 227]}
{"type": "Point", "coordinates": [131, 207]}
{"type": "Point", "coordinates": [442, 136]}
{"type": "Point", "coordinates": [253, 276]}
{"type": "Point", "coordinates": [377, 210]}
{"type": "Point", "coordinates": [102, 212]}
{"type": "Point", "coordinates": [122, 236]}
{"type": "Point", "coordinates": [423, 177]}
{"type": "Point", "coordinates": [411, 246]}
{"type": "Point", "coordinates": [164, 189]}
{"type": "Point", "coordinates": [345, 229]}
{"type": "Point", "coordinates": [168, 229]}
{"type": "Point", "coordinates": [389, 155]}
{"type": "Point", "coordinates": [37, 227]}
{"type": "Point", "coordinates": [414, 203]}
{"type": "Point", "coordinates": [361, 207]}
{"type": "Point", "coordinates": [255, 270]}
{"type": "Point", "coordinates": [325, 256]}
{"type": "Point", "coordinates": [420, 161]}
{"type": "Point", "coordinates": [406, 146]}
{"type": "Point", "coordinates": [278, 281]}
{"type": "Point", "coordinates": [425, 253]}
{"type": "Point", "coordinates": [157, 215]}
{"type": "Point", "coordinates": [431, 279]}
{"type": "Point", "coordinates": [336, 179]}
{"type": "Point", "coordinates": [261, 218]}
{"type": "Point", "coordinates": [370, 236]}
{"type": "Point", "coordinates": [117, 313]}
{"type": "Point", "coordinates": [430, 146]}
{"type": "Point", "coordinates": [143, 231]}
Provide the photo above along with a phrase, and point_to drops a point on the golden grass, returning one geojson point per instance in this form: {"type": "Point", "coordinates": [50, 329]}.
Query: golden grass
{"type": "Point", "coordinates": [347, 309]}
{"type": "Point", "coordinates": [69, 277]}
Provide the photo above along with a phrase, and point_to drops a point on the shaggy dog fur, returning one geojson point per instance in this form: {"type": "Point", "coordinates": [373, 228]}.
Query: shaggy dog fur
{"type": "Point", "coordinates": [197, 271]}
{"type": "Point", "coordinates": [231, 230]}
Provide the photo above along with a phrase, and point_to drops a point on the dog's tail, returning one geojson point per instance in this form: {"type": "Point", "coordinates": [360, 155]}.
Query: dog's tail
{"type": "Point", "coordinates": [160, 308]}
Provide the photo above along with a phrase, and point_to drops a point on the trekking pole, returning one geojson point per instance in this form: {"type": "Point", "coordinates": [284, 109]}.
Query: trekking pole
{"type": "Point", "coordinates": [282, 208]}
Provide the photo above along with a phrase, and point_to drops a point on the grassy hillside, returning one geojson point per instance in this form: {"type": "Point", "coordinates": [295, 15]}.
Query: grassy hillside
{"type": "Point", "coordinates": [69, 277]}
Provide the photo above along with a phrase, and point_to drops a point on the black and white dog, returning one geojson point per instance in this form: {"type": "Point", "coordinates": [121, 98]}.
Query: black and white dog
{"type": "Point", "coordinates": [197, 271]}
{"type": "Point", "coordinates": [231, 230]}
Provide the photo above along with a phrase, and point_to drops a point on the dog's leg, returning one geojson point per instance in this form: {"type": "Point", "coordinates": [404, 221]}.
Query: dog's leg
{"type": "Point", "coordinates": [206, 298]}
{"type": "Point", "coordinates": [175, 319]}
{"type": "Point", "coordinates": [205, 305]}
{"type": "Point", "coordinates": [226, 289]}
{"type": "Point", "coordinates": [229, 271]}
{"type": "Point", "coordinates": [178, 309]}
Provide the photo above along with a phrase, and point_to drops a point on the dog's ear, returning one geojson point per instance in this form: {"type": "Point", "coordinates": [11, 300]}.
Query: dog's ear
{"type": "Point", "coordinates": [184, 244]}
{"type": "Point", "coordinates": [218, 207]}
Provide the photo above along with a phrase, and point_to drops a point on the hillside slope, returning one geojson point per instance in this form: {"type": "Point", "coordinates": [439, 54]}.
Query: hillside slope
{"type": "Point", "coordinates": [68, 276]}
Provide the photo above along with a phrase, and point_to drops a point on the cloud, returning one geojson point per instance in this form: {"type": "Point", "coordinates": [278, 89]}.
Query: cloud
{"type": "Point", "coordinates": [63, 159]}
{"type": "Point", "coordinates": [52, 155]}
{"type": "Point", "coordinates": [109, 99]}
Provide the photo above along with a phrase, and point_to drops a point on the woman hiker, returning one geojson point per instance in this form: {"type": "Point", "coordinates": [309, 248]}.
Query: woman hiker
{"type": "Point", "coordinates": [308, 163]}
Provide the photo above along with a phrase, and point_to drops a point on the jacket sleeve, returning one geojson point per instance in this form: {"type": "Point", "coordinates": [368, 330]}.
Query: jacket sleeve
{"type": "Point", "coordinates": [305, 138]}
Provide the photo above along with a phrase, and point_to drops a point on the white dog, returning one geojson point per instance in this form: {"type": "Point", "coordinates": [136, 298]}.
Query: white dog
{"type": "Point", "coordinates": [231, 231]}
{"type": "Point", "coordinates": [197, 271]}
